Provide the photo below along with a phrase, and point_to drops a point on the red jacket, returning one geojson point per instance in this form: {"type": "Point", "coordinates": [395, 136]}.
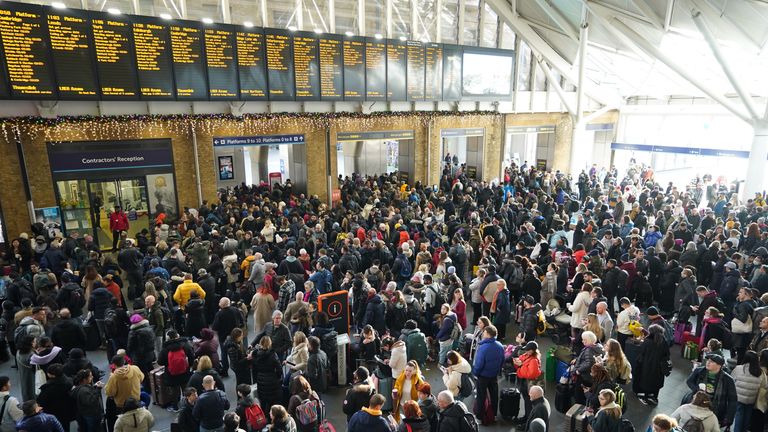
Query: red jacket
{"type": "Point", "coordinates": [118, 221]}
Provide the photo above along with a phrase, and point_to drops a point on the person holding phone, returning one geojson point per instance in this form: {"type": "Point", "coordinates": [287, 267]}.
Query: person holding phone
{"type": "Point", "coordinates": [406, 387]}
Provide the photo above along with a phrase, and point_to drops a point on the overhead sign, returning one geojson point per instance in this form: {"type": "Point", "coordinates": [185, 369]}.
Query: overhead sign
{"type": "Point", "coordinates": [458, 132]}
{"type": "Point", "coordinates": [258, 140]}
{"type": "Point", "coordinates": [530, 129]}
{"type": "Point", "coordinates": [365, 136]}
{"type": "Point", "coordinates": [743, 154]}
{"type": "Point", "coordinates": [336, 306]}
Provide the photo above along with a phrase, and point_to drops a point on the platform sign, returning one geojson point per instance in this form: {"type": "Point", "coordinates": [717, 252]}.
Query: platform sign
{"type": "Point", "coordinates": [258, 140]}
{"type": "Point", "coordinates": [336, 306]}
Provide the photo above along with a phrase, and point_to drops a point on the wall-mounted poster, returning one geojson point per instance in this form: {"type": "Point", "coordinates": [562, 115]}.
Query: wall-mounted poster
{"type": "Point", "coordinates": [226, 168]}
{"type": "Point", "coordinates": [162, 198]}
{"type": "Point", "coordinates": [50, 218]}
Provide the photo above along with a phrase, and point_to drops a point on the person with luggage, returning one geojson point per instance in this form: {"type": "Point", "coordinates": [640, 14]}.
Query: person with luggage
{"type": "Point", "coordinates": [124, 382]}
{"type": "Point", "coordinates": [629, 314]}
{"type": "Point", "coordinates": [528, 367]}
{"type": "Point", "coordinates": [453, 414]}
{"type": "Point", "coordinates": [697, 415]}
{"type": "Point", "coordinates": [608, 416]}
{"type": "Point", "coordinates": [177, 357]}
{"type": "Point", "coordinates": [582, 364]}
{"type": "Point", "coordinates": [486, 368]}
{"type": "Point", "coordinates": [453, 373]}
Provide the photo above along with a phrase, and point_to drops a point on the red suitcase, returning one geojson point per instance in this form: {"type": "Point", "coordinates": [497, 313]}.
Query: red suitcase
{"type": "Point", "coordinates": [162, 394]}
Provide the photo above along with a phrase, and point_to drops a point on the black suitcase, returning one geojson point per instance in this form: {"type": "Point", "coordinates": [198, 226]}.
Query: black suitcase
{"type": "Point", "coordinates": [632, 350]}
{"type": "Point", "coordinates": [509, 403]}
{"type": "Point", "coordinates": [563, 396]}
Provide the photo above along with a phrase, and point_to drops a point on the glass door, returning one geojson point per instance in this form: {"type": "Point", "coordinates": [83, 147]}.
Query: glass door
{"type": "Point", "coordinates": [130, 195]}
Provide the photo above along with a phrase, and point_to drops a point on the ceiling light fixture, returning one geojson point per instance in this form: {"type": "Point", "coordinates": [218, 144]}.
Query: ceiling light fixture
{"type": "Point", "coordinates": [349, 34]}
{"type": "Point", "coordinates": [207, 20]}
{"type": "Point", "coordinates": [248, 24]}
{"type": "Point", "coordinates": [292, 28]}
{"type": "Point", "coordinates": [318, 31]}
{"type": "Point", "coordinates": [59, 5]}
{"type": "Point", "coordinates": [403, 38]}
{"type": "Point", "coordinates": [378, 36]}
{"type": "Point", "coordinates": [165, 16]}
{"type": "Point", "coordinates": [114, 11]}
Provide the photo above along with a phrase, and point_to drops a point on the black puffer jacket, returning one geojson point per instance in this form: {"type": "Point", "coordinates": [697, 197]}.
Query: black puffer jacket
{"type": "Point", "coordinates": [267, 373]}
{"type": "Point", "coordinates": [195, 310]}
{"type": "Point", "coordinates": [196, 380]}
{"type": "Point", "coordinates": [530, 321]}
{"type": "Point", "coordinates": [141, 343]}
{"type": "Point", "coordinates": [100, 301]}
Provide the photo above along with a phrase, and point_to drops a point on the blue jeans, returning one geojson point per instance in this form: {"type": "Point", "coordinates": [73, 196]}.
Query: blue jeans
{"type": "Point", "coordinates": [743, 418]}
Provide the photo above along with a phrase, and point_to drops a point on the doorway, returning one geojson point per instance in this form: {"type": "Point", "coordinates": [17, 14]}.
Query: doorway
{"type": "Point", "coordinates": [130, 194]}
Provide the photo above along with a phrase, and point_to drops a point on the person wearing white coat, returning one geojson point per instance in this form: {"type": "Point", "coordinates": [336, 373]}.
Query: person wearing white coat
{"type": "Point", "coordinates": [699, 408]}
{"type": "Point", "coordinates": [580, 308]}
{"type": "Point", "coordinates": [457, 366]}
{"type": "Point", "coordinates": [398, 359]}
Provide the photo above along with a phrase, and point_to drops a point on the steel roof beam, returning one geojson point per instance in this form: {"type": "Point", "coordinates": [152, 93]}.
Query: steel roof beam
{"type": "Point", "coordinates": [558, 18]}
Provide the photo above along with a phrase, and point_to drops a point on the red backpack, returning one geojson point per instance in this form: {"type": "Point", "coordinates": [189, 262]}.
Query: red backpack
{"type": "Point", "coordinates": [177, 362]}
{"type": "Point", "coordinates": [255, 417]}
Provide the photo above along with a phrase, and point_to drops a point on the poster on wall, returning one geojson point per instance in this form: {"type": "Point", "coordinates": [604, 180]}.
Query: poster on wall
{"type": "Point", "coordinates": [50, 217]}
{"type": "Point", "coordinates": [162, 198]}
{"type": "Point", "coordinates": [393, 153]}
{"type": "Point", "coordinates": [226, 168]}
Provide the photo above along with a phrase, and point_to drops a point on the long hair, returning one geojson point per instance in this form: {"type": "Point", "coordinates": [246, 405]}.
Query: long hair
{"type": "Point", "coordinates": [656, 333]}
{"type": "Point", "coordinates": [753, 362]}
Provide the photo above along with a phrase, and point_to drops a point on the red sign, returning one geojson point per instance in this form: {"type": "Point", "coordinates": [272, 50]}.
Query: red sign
{"type": "Point", "coordinates": [336, 195]}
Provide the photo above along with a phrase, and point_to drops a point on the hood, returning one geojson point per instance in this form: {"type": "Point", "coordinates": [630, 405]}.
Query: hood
{"type": "Point", "coordinates": [206, 334]}
{"type": "Point", "coordinates": [124, 372]}
{"type": "Point", "coordinates": [27, 321]}
{"type": "Point", "coordinates": [462, 367]}
{"type": "Point", "coordinates": [375, 299]}
{"type": "Point", "coordinates": [175, 344]}
{"type": "Point", "coordinates": [140, 324]}
{"type": "Point", "coordinates": [453, 411]}
{"type": "Point", "coordinates": [290, 258]}
{"type": "Point", "coordinates": [44, 359]}
{"type": "Point", "coordinates": [699, 413]}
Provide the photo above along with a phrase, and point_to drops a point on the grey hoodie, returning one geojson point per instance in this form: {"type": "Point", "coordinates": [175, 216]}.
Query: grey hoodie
{"type": "Point", "coordinates": [688, 411]}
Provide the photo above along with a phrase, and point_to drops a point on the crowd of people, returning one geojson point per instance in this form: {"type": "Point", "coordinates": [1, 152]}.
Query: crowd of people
{"type": "Point", "coordinates": [616, 269]}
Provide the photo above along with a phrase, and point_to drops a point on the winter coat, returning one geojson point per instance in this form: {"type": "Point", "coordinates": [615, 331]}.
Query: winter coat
{"type": "Point", "coordinates": [262, 305]}
{"type": "Point", "coordinates": [317, 368]}
{"type": "Point", "coordinates": [124, 382]}
{"type": "Point", "coordinates": [604, 422]}
{"type": "Point", "coordinates": [40, 422]}
{"type": "Point", "coordinates": [358, 397]}
{"type": "Point", "coordinates": [397, 360]}
{"type": "Point", "coordinates": [267, 373]}
{"type": "Point", "coordinates": [586, 359]}
{"type": "Point", "coordinates": [162, 360]}
{"type": "Point", "coordinates": [47, 357]}
{"type": "Point", "coordinates": [281, 337]}
{"type": "Point", "coordinates": [685, 288]}
{"type": "Point", "coordinates": [141, 343]}
{"type": "Point", "coordinates": [451, 419]}
{"type": "Point", "coordinates": [368, 420]}
{"type": "Point", "coordinates": [299, 356]}
{"type": "Point", "coordinates": [446, 327]}
{"type": "Point", "coordinates": [725, 397]}
{"type": "Point", "coordinates": [420, 424]}
{"type": "Point", "coordinates": [184, 291]}
{"type": "Point", "coordinates": [138, 420]}
{"type": "Point", "coordinates": [688, 411]}
{"type": "Point", "coordinates": [416, 381]}
{"type": "Point", "coordinates": [99, 302]}
{"type": "Point", "coordinates": [747, 385]}
{"type": "Point", "coordinates": [238, 359]}
{"type": "Point", "coordinates": [452, 378]}
{"type": "Point", "coordinates": [579, 308]}
{"type": "Point", "coordinates": [208, 346]}
{"type": "Point", "coordinates": [88, 400]}
{"type": "Point", "coordinates": [225, 321]}
{"type": "Point", "coordinates": [68, 334]}
{"type": "Point", "coordinates": [530, 321]}
{"type": "Point", "coordinates": [210, 407]}
{"type": "Point", "coordinates": [374, 314]}
{"type": "Point", "coordinates": [648, 375]}
{"type": "Point", "coordinates": [56, 400]}
{"type": "Point", "coordinates": [488, 359]}
{"type": "Point", "coordinates": [415, 345]}
{"type": "Point", "coordinates": [503, 308]}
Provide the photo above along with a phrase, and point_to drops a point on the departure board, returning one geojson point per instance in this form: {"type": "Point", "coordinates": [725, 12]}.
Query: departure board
{"type": "Point", "coordinates": [375, 70]}
{"type": "Point", "coordinates": [306, 66]}
{"type": "Point", "coordinates": [279, 64]}
{"type": "Point", "coordinates": [331, 68]}
{"type": "Point", "coordinates": [415, 83]}
{"type": "Point", "coordinates": [397, 61]}
{"type": "Point", "coordinates": [189, 69]}
{"type": "Point", "coordinates": [354, 68]}
{"type": "Point", "coordinates": [451, 72]}
{"type": "Point", "coordinates": [113, 43]}
{"type": "Point", "coordinates": [4, 93]}
{"type": "Point", "coordinates": [25, 46]}
{"type": "Point", "coordinates": [69, 32]}
{"type": "Point", "coordinates": [151, 43]}
{"type": "Point", "coordinates": [433, 72]}
{"type": "Point", "coordinates": [251, 64]}
{"type": "Point", "coordinates": [220, 58]}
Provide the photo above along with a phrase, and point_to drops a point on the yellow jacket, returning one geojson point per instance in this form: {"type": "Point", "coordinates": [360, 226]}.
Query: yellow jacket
{"type": "Point", "coordinates": [245, 266]}
{"type": "Point", "coordinates": [416, 381]}
{"type": "Point", "coordinates": [184, 292]}
{"type": "Point", "coordinates": [124, 382]}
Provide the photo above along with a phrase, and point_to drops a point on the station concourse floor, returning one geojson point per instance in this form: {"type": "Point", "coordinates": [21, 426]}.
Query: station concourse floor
{"type": "Point", "coordinates": [640, 415]}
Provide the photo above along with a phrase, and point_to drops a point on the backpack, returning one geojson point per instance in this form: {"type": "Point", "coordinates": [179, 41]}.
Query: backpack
{"type": "Point", "coordinates": [110, 323]}
{"type": "Point", "coordinates": [541, 323]}
{"type": "Point", "coordinates": [621, 398]}
{"type": "Point", "coordinates": [20, 332]}
{"type": "Point", "coordinates": [405, 268]}
{"type": "Point", "coordinates": [466, 386]}
{"type": "Point", "coordinates": [178, 364]}
{"type": "Point", "coordinates": [626, 426]}
{"type": "Point", "coordinates": [255, 418]}
{"type": "Point", "coordinates": [694, 425]}
{"type": "Point", "coordinates": [517, 276]}
{"type": "Point", "coordinates": [416, 347]}
{"type": "Point", "coordinates": [439, 298]}
{"type": "Point", "coordinates": [470, 423]}
{"type": "Point", "coordinates": [76, 298]}
{"type": "Point", "coordinates": [167, 319]}
{"type": "Point", "coordinates": [307, 412]}
{"type": "Point", "coordinates": [457, 330]}
{"type": "Point", "coordinates": [374, 280]}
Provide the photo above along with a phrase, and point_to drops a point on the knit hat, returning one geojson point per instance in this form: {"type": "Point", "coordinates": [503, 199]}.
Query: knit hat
{"type": "Point", "coordinates": [731, 265]}
{"type": "Point", "coordinates": [717, 358]}
{"type": "Point", "coordinates": [529, 299]}
{"type": "Point", "coordinates": [652, 311]}
{"type": "Point", "coordinates": [136, 318]}
{"type": "Point", "coordinates": [594, 252]}
{"type": "Point", "coordinates": [451, 270]}
{"type": "Point", "coordinates": [362, 373]}
{"type": "Point", "coordinates": [202, 272]}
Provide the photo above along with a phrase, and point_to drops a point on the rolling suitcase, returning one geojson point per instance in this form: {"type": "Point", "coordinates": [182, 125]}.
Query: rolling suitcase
{"type": "Point", "coordinates": [632, 350]}
{"type": "Point", "coordinates": [576, 419]}
{"type": "Point", "coordinates": [509, 403]}
{"type": "Point", "coordinates": [680, 330]}
{"type": "Point", "coordinates": [162, 394]}
{"type": "Point", "coordinates": [487, 416]}
{"type": "Point", "coordinates": [563, 396]}
{"type": "Point", "coordinates": [385, 388]}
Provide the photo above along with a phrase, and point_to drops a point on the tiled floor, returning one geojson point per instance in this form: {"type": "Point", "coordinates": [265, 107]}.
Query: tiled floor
{"type": "Point", "coordinates": [639, 414]}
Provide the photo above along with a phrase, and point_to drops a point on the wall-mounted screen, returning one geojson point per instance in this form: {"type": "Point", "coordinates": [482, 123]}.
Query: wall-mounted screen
{"type": "Point", "coordinates": [487, 73]}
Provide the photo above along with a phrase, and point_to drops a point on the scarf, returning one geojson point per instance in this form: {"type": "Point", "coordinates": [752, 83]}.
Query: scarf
{"type": "Point", "coordinates": [609, 406]}
{"type": "Point", "coordinates": [373, 412]}
{"type": "Point", "coordinates": [495, 297]}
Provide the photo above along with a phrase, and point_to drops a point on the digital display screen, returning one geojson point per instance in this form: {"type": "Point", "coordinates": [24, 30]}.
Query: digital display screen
{"type": "Point", "coordinates": [415, 71]}
{"type": "Point", "coordinates": [220, 59]}
{"type": "Point", "coordinates": [189, 69]}
{"type": "Point", "coordinates": [375, 70]}
{"type": "Point", "coordinates": [280, 64]}
{"type": "Point", "coordinates": [397, 62]}
{"type": "Point", "coordinates": [113, 43]}
{"type": "Point", "coordinates": [69, 33]}
{"type": "Point", "coordinates": [487, 73]}
{"type": "Point", "coordinates": [433, 75]}
{"type": "Point", "coordinates": [331, 68]}
{"type": "Point", "coordinates": [451, 72]}
{"type": "Point", "coordinates": [151, 43]}
{"type": "Point", "coordinates": [306, 66]}
{"type": "Point", "coordinates": [25, 48]}
{"type": "Point", "coordinates": [354, 68]}
{"type": "Point", "coordinates": [251, 64]}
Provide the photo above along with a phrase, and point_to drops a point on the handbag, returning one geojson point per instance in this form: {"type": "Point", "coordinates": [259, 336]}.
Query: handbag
{"type": "Point", "coordinates": [740, 327]}
{"type": "Point", "coordinates": [40, 379]}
